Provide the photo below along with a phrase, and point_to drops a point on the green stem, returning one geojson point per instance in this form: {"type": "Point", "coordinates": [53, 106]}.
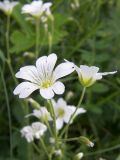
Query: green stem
{"type": "Point", "coordinates": [72, 116]}
{"type": "Point", "coordinates": [37, 25]}
{"type": "Point", "coordinates": [7, 37]}
{"type": "Point", "coordinates": [48, 125]}
{"type": "Point", "coordinates": [54, 123]}
{"type": "Point", "coordinates": [54, 118]}
{"type": "Point", "coordinates": [36, 148]}
{"type": "Point", "coordinates": [50, 36]}
{"type": "Point", "coordinates": [45, 149]}
{"type": "Point", "coordinates": [9, 112]}
{"type": "Point", "coordinates": [103, 150]}
{"type": "Point", "coordinates": [8, 48]}
{"type": "Point", "coordinates": [70, 139]}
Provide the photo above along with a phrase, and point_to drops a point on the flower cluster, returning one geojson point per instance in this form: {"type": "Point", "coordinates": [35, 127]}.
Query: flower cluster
{"type": "Point", "coordinates": [45, 77]}
{"type": "Point", "coordinates": [63, 113]}
{"type": "Point", "coordinates": [37, 8]}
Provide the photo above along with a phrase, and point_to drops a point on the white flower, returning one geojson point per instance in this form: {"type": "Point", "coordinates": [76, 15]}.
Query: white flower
{"type": "Point", "coordinates": [42, 114]}
{"type": "Point", "coordinates": [89, 75]}
{"type": "Point", "coordinates": [27, 132]}
{"type": "Point", "coordinates": [7, 6]}
{"type": "Point", "coordinates": [38, 129]}
{"type": "Point", "coordinates": [52, 140]}
{"type": "Point", "coordinates": [43, 77]}
{"type": "Point", "coordinates": [58, 152]}
{"type": "Point", "coordinates": [79, 156]}
{"type": "Point", "coordinates": [64, 112]}
{"type": "Point", "coordinates": [37, 8]}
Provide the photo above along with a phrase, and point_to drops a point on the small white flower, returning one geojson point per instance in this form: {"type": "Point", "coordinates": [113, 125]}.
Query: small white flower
{"type": "Point", "coordinates": [37, 8]}
{"type": "Point", "coordinates": [79, 156]}
{"type": "Point", "coordinates": [89, 75]}
{"type": "Point", "coordinates": [52, 140]}
{"type": "Point", "coordinates": [27, 132]}
{"type": "Point", "coordinates": [42, 114]}
{"type": "Point", "coordinates": [58, 152]}
{"type": "Point", "coordinates": [44, 77]}
{"type": "Point", "coordinates": [7, 7]}
{"type": "Point", "coordinates": [64, 112]}
{"type": "Point", "coordinates": [75, 4]}
{"type": "Point", "coordinates": [38, 129]}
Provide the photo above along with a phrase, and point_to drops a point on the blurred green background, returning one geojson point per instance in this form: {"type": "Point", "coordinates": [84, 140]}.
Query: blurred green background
{"type": "Point", "coordinates": [85, 32]}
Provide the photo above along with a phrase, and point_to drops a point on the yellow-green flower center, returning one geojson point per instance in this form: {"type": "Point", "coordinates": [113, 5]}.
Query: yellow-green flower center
{"type": "Point", "coordinates": [46, 84]}
{"type": "Point", "coordinates": [61, 112]}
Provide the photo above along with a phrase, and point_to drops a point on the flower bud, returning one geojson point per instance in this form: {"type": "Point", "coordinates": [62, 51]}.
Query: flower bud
{"type": "Point", "coordinates": [34, 103]}
{"type": "Point", "coordinates": [86, 141]}
{"type": "Point", "coordinates": [79, 156]}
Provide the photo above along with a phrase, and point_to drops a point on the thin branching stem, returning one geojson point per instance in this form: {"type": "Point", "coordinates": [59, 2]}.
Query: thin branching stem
{"type": "Point", "coordinates": [45, 148]}
{"type": "Point", "coordinates": [72, 116]}
{"type": "Point", "coordinates": [8, 110]}
{"type": "Point", "coordinates": [8, 48]}
{"type": "Point", "coordinates": [37, 26]}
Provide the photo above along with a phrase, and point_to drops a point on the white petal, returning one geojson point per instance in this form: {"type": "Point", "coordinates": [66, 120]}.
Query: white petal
{"type": "Point", "coordinates": [69, 111]}
{"type": "Point", "coordinates": [80, 111]}
{"type": "Point", "coordinates": [28, 73]}
{"type": "Point", "coordinates": [47, 93]}
{"type": "Point", "coordinates": [88, 72]}
{"type": "Point", "coordinates": [59, 123]}
{"type": "Point", "coordinates": [63, 69]}
{"type": "Point", "coordinates": [45, 65]}
{"type": "Point", "coordinates": [41, 64]}
{"type": "Point", "coordinates": [39, 129]}
{"type": "Point", "coordinates": [51, 61]}
{"type": "Point", "coordinates": [106, 73]}
{"type": "Point", "coordinates": [24, 89]}
{"type": "Point", "coordinates": [58, 88]}
{"type": "Point", "coordinates": [98, 76]}
{"type": "Point", "coordinates": [77, 70]}
{"type": "Point", "coordinates": [27, 132]}
{"type": "Point", "coordinates": [47, 5]}
{"type": "Point", "coordinates": [61, 103]}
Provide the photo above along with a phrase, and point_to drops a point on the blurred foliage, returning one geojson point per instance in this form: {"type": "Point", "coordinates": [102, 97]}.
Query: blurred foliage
{"type": "Point", "coordinates": [89, 34]}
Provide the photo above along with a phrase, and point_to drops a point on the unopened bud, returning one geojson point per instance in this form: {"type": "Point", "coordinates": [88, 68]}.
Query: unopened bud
{"type": "Point", "coordinates": [86, 141]}
{"type": "Point", "coordinates": [79, 156]}
{"type": "Point", "coordinates": [34, 103]}
{"type": "Point", "coordinates": [52, 140]}
{"type": "Point", "coordinates": [70, 94]}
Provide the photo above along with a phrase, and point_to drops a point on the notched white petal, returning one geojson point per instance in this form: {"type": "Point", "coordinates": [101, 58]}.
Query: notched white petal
{"type": "Point", "coordinates": [47, 93]}
{"type": "Point", "coordinates": [24, 89]}
{"type": "Point", "coordinates": [63, 69]}
{"type": "Point", "coordinates": [29, 73]}
{"type": "Point", "coordinates": [58, 88]}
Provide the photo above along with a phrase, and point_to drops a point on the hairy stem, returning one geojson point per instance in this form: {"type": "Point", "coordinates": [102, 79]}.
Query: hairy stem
{"type": "Point", "coordinates": [72, 116]}
{"type": "Point", "coordinates": [37, 25]}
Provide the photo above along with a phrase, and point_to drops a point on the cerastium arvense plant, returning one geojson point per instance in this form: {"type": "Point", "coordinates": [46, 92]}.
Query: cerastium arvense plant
{"type": "Point", "coordinates": [56, 116]}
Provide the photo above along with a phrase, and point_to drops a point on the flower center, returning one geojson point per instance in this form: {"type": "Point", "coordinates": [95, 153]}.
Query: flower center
{"type": "Point", "coordinates": [46, 84]}
{"type": "Point", "coordinates": [61, 112]}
